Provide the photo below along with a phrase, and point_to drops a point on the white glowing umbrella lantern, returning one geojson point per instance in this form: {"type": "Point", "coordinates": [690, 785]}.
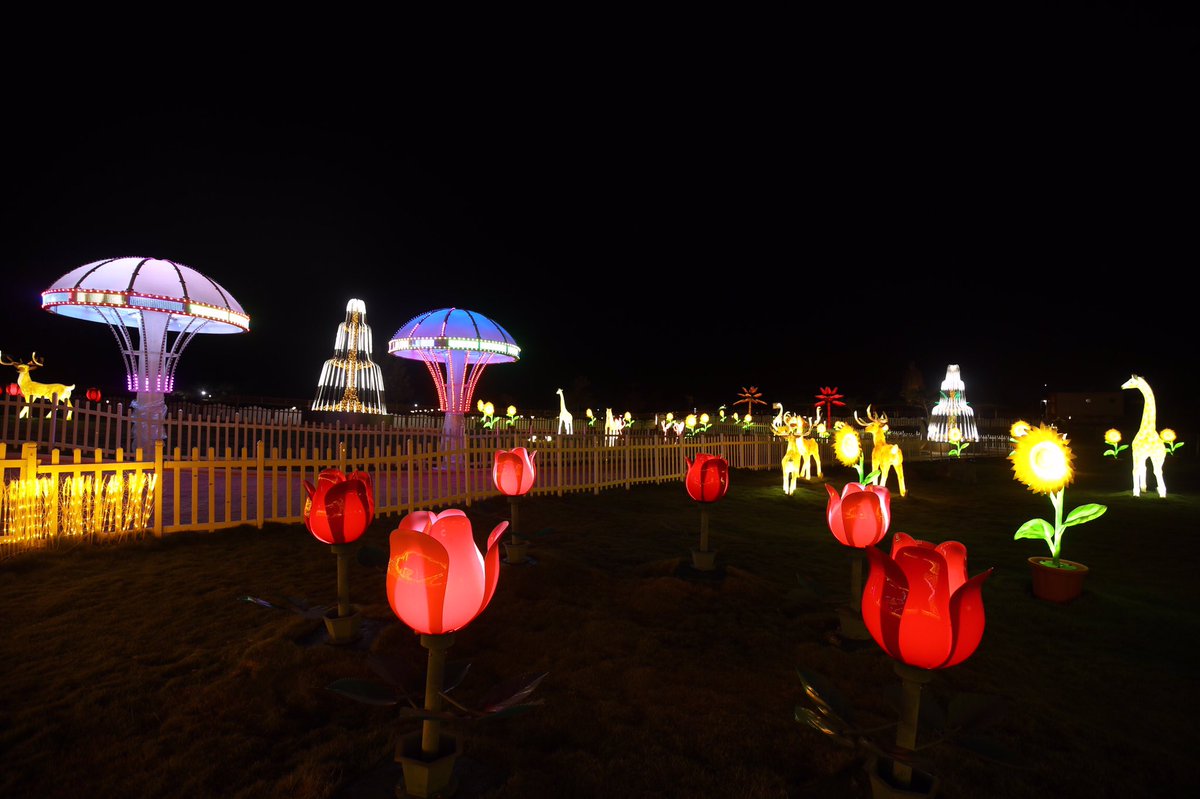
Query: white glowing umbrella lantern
{"type": "Point", "coordinates": [455, 345]}
{"type": "Point", "coordinates": [166, 302]}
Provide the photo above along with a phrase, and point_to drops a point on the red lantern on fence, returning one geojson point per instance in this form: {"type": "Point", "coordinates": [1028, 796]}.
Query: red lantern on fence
{"type": "Point", "coordinates": [93, 395]}
{"type": "Point", "coordinates": [14, 390]}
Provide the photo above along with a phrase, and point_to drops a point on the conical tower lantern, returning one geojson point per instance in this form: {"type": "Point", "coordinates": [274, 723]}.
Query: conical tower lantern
{"type": "Point", "coordinates": [952, 410]}
{"type": "Point", "coordinates": [350, 381]}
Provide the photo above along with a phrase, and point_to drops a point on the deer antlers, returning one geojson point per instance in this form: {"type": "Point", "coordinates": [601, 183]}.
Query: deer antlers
{"type": "Point", "coordinates": [33, 363]}
{"type": "Point", "coordinates": [880, 419]}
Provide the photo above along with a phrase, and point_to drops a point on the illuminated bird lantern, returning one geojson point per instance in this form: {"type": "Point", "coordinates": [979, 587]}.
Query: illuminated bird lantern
{"type": "Point", "coordinates": [437, 584]}
{"type": "Point", "coordinates": [166, 303]}
{"type": "Point", "coordinates": [514, 472]}
{"type": "Point", "coordinates": [350, 381]}
{"type": "Point", "coordinates": [925, 613]}
{"type": "Point", "coordinates": [858, 518]}
{"type": "Point", "coordinates": [707, 480]}
{"type": "Point", "coordinates": [337, 511]}
{"type": "Point", "coordinates": [455, 345]}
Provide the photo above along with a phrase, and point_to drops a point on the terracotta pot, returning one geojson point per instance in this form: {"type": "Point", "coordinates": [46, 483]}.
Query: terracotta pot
{"type": "Point", "coordinates": [515, 551]}
{"type": "Point", "coordinates": [704, 560]}
{"type": "Point", "coordinates": [343, 629]}
{"type": "Point", "coordinates": [1056, 585]}
{"type": "Point", "coordinates": [428, 778]}
{"type": "Point", "coordinates": [879, 771]}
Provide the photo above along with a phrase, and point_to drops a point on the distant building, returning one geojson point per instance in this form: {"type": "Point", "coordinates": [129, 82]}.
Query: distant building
{"type": "Point", "coordinates": [350, 381]}
{"type": "Point", "coordinates": [1085, 406]}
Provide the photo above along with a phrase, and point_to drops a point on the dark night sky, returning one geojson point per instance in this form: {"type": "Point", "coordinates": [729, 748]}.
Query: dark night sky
{"type": "Point", "coordinates": [659, 219]}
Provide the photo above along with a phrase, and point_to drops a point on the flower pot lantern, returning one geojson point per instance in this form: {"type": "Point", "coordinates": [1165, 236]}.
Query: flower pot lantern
{"type": "Point", "coordinates": [337, 512]}
{"type": "Point", "coordinates": [1042, 461]}
{"type": "Point", "coordinates": [514, 472]}
{"type": "Point", "coordinates": [437, 584]}
{"type": "Point", "coordinates": [858, 518]}
{"type": "Point", "coordinates": [925, 613]}
{"type": "Point", "coordinates": [707, 480]}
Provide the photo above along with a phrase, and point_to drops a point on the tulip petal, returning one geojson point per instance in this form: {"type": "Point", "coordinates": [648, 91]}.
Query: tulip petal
{"type": "Point", "coordinates": [955, 554]}
{"type": "Point", "coordinates": [927, 629]}
{"type": "Point", "coordinates": [491, 565]}
{"type": "Point", "coordinates": [883, 601]}
{"type": "Point", "coordinates": [465, 578]}
{"type": "Point", "coordinates": [417, 573]}
{"type": "Point", "coordinates": [902, 540]}
{"type": "Point", "coordinates": [862, 519]}
{"type": "Point", "coordinates": [966, 609]}
{"type": "Point", "coordinates": [833, 515]}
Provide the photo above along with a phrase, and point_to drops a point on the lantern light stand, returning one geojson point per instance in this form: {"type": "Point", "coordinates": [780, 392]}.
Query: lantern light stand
{"type": "Point", "coordinates": [344, 628]}
{"type": "Point", "coordinates": [427, 757]}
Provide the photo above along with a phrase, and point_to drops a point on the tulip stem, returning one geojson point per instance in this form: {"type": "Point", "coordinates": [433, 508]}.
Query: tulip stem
{"type": "Point", "coordinates": [856, 560]}
{"type": "Point", "coordinates": [343, 578]}
{"type": "Point", "coordinates": [913, 679]}
{"type": "Point", "coordinates": [431, 729]}
{"type": "Point", "coordinates": [513, 502]}
{"type": "Point", "coordinates": [703, 528]}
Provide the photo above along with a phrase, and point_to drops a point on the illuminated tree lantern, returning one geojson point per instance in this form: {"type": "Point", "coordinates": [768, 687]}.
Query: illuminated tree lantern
{"type": "Point", "coordinates": [707, 480]}
{"type": "Point", "coordinates": [952, 410]}
{"type": "Point", "coordinates": [925, 614]}
{"type": "Point", "coordinates": [337, 512]}
{"type": "Point", "coordinates": [514, 472]}
{"type": "Point", "coordinates": [166, 302]}
{"type": "Point", "coordinates": [455, 345]}
{"type": "Point", "coordinates": [350, 381]}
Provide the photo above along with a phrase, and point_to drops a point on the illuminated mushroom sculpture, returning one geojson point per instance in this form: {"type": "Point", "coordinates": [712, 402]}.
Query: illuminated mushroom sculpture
{"type": "Point", "coordinates": [166, 302]}
{"type": "Point", "coordinates": [455, 345]}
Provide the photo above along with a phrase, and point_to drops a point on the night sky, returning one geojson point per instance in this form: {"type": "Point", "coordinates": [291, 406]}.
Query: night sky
{"type": "Point", "coordinates": [659, 218]}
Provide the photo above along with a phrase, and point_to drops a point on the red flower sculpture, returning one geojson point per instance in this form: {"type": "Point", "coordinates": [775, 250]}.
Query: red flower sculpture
{"type": "Point", "coordinates": [707, 477]}
{"type": "Point", "coordinates": [860, 516]}
{"type": "Point", "coordinates": [339, 508]}
{"type": "Point", "coordinates": [93, 394]}
{"type": "Point", "coordinates": [919, 605]}
{"type": "Point", "coordinates": [437, 581]}
{"type": "Point", "coordinates": [514, 471]}
{"type": "Point", "coordinates": [14, 390]}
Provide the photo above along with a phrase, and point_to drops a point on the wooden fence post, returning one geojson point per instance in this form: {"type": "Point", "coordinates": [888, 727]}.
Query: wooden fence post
{"type": "Point", "coordinates": [160, 483]}
{"type": "Point", "coordinates": [260, 471]}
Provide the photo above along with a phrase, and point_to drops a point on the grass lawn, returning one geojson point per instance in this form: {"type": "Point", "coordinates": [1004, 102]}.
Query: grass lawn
{"type": "Point", "coordinates": [135, 670]}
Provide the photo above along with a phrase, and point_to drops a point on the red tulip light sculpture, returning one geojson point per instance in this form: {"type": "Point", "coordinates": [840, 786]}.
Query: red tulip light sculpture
{"type": "Point", "coordinates": [337, 512]}
{"type": "Point", "coordinates": [437, 583]}
{"type": "Point", "coordinates": [922, 610]}
{"type": "Point", "coordinates": [707, 480]}
{"type": "Point", "coordinates": [858, 518]}
{"type": "Point", "coordinates": [514, 472]}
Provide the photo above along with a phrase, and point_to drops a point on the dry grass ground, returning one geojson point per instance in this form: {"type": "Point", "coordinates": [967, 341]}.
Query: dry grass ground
{"type": "Point", "coordinates": [135, 671]}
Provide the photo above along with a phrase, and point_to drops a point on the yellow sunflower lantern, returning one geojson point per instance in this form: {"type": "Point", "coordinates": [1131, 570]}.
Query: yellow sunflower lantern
{"type": "Point", "coordinates": [848, 449]}
{"type": "Point", "coordinates": [1042, 461]}
{"type": "Point", "coordinates": [1168, 438]}
{"type": "Point", "coordinates": [1112, 437]}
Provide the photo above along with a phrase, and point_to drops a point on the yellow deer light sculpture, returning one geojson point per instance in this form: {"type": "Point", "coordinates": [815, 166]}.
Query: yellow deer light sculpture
{"type": "Point", "coordinates": [55, 392]}
{"type": "Point", "coordinates": [801, 450]}
{"type": "Point", "coordinates": [1147, 444]}
{"type": "Point", "coordinates": [884, 456]}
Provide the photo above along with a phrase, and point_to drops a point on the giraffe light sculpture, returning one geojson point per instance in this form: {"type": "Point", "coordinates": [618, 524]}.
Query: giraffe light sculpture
{"type": "Point", "coordinates": [1148, 443]}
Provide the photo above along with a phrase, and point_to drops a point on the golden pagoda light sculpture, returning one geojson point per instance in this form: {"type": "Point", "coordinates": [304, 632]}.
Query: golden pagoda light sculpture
{"type": "Point", "coordinates": [350, 381]}
{"type": "Point", "coordinates": [952, 411]}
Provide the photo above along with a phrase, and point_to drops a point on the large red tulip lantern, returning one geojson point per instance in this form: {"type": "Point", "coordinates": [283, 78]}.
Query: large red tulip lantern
{"type": "Point", "coordinates": [925, 613]}
{"type": "Point", "coordinates": [707, 480]}
{"type": "Point", "coordinates": [14, 390]}
{"type": "Point", "coordinates": [438, 583]}
{"type": "Point", "coordinates": [93, 394]}
{"type": "Point", "coordinates": [337, 512]}
{"type": "Point", "coordinates": [514, 472]}
{"type": "Point", "coordinates": [858, 518]}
